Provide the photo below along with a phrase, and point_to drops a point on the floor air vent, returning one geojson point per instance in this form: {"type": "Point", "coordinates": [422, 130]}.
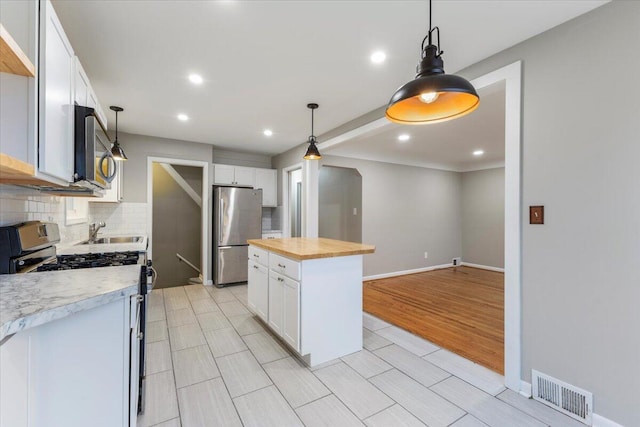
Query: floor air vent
{"type": "Point", "coordinates": [568, 399]}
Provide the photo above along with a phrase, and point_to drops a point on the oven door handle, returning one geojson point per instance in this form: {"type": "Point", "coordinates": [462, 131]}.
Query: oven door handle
{"type": "Point", "coordinates": [134, 327]}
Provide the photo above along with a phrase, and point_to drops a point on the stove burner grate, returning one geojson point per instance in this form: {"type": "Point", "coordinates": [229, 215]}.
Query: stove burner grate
{"type": "Point", "coordinates": [91, 260]}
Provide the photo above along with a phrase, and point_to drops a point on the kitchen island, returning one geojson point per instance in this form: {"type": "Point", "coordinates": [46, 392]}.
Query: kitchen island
{"type": "Point", "coordinates": [309, 292]}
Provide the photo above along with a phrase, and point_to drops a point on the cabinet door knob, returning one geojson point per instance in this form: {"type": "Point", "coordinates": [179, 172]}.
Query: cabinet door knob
{"type": "Point", "coordinates": [280, 279]}
{"type": "Point", "coordinates": [255, 266]}
{"type": "Point", "coordinates": [282, 266]}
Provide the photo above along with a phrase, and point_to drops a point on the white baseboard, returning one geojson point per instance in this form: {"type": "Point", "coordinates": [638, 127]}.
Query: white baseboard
{"type": "Point", "coordinates": [405, 272]}
{"type": "Point", "coordinates": [600, 421]}
{"type": "Point", "coordinates": [209, 283]}
{"type": "Point", "coordinates": [484, 267]}
{"type": "Point", "coordinates": [525, 389]}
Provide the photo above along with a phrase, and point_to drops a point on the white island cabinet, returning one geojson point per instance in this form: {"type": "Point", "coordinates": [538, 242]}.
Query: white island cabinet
{"type": "Point", "coordinates": [309, 292]}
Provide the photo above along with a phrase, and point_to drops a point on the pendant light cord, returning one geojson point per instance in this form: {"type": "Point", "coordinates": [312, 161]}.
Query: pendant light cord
{"type": "Point", "coordinates": [429, 23]}
{"type": "Point", "coordinates": [116, 126]}
{"type": "Point", "coordinates": [312, 122]}
{"type": "Point", "coordinates": [428, 37]}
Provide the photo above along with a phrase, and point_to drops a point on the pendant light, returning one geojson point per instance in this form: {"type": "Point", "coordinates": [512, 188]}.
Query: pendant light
{"type": "Point", "coordinates": [432, 96]}
{"type": "Point", "coordinates": [116, 150]}
{"type": "Point", "coordinates": [312, 152]}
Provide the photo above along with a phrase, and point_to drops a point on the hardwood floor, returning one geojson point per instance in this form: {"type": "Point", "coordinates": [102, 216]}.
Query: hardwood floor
{"type": "Point", "coordinates": [460, 309]}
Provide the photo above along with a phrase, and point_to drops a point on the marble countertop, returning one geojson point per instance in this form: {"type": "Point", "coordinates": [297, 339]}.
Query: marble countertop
{"type": "Point", "coordinates": [32, 299]}
{"type": "Point", "coordinates": [75, 248]}
{"type": "Point", "coordinates": [302, 248]}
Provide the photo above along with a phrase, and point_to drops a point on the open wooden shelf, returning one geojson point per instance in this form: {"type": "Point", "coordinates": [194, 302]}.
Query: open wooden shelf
{"type": "Point", "coordinates": [12, 59]}
{"type": "Point", "coordinates": [14, 171]}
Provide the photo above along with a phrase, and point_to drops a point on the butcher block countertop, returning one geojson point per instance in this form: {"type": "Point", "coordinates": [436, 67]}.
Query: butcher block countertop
{"type": "Point", "coordinates": [302, 248]}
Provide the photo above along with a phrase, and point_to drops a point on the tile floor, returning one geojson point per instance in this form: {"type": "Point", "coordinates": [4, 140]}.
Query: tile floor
{"type": "Point", "coordinates": [211, 363]}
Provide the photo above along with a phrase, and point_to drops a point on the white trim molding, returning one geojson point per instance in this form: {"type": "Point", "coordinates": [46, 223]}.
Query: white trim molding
{"type": "Point", "coordinates": [600, 421]}
{"type": "Point", "coordinates": [405, 272]}
{"type": "Point", "coordinates": [512, 76]}
{"type": "Point", "coordinates": [525, 389]}
{"type": "Point", "coordinates": [483, 267]}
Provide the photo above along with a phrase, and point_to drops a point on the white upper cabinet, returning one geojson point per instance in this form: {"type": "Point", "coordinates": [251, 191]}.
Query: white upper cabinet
{"type": "Point", "coordinates": [81, 84]}
{"type": "Point", "coordinates": [84, 94]}
{"type": "Point", "coordinates": [266, 179]}
{"type": "Point", "coordinates": [223, 174]}
{"type": "Point", "coordinates": [234, 175]}
{"type": "Point", "coordinates": [245, 176]}
{"type": "Point", "coordinates": [56, 110]}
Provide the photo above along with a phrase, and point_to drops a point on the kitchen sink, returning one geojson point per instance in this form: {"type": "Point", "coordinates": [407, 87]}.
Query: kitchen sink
{"type": "Point", "coordinates": [114, 239]}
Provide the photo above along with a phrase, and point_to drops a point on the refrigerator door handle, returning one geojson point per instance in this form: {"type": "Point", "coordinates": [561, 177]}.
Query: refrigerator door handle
{"type": "Point", "coordinates": [220, 219]}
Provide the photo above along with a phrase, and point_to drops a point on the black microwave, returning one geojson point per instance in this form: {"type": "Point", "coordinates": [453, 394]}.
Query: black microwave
{"type": "Point", "coordinates": [94, 165]}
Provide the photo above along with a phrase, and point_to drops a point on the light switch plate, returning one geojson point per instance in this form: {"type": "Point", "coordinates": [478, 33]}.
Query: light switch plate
{"type": "Point", "coordinates": [536, 214]}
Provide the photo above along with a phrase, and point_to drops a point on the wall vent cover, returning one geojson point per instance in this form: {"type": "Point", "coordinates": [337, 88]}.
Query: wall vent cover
{"type": "Point", "coordinates": [568, 399]}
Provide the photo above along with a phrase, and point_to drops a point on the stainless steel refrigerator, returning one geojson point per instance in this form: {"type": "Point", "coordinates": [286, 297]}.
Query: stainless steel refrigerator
{"type": "Point", "coordinates": [237, 217]}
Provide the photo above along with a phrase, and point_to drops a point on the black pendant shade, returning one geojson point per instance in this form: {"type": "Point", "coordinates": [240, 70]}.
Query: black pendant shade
{"type": "Point", "coordinates": [312, 152]}
{"type": "Point", "coordinates": [116, 150]}
{"type": "Point", "coordinates": [432, 96]}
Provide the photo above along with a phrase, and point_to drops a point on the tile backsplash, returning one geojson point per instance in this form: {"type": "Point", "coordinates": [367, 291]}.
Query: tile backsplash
{"type": "Point", "coordinates": [271, 219]}
{"type": "Point", "coordinates": [121, 218]}
{"type": "Point", "coordinates": [18, 204]}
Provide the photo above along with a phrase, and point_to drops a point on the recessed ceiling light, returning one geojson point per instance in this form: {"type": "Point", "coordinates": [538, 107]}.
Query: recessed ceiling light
{"type": "Point", "coordinates": [478, 152]}
{"type": "Point", "coordinates": [183, 117]}
{"type": "Point", "coordinates": [404, 137]}
{"type": "Point", "coordinates": [378, 57]}
{"type": "Point", "coordinates": [267, 132]}
{"type": "Point", "coordinates": [196, 79]}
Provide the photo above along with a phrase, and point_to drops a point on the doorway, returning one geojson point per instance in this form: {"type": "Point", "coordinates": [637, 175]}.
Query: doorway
{"type": "Point", "coordinates": [178, 222]}
{"type": "Point", "coordinates": [340, 204]}
{"type": "Point", "coordinates": [293, 202]}
{"type": "Point", "coordinates": [177, 229]}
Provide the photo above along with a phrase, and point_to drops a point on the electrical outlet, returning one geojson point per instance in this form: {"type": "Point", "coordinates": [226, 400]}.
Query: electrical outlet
{"type": "Point", "coordinates": [426, 255]}
{"type": "Point", "coordinates": [456, 261]}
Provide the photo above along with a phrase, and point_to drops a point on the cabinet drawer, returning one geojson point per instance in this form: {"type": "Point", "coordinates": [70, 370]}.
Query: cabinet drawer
{"type": "Point", "coordinates": [259, 255]}
{"type": "Point", "coordinates": [284, 266]}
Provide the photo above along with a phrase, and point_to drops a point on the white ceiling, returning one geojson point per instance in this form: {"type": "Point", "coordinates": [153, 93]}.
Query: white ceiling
{"type": "Point", "coordinates": [448, 145]}
{"type": "Point", "coordinates": [263, 61]}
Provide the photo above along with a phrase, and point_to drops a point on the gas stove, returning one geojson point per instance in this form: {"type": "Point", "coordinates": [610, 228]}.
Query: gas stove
{"type": "Point", "coordinates": [90, 260]}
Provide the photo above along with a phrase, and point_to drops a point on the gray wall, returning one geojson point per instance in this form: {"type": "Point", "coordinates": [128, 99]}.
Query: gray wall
{"type": "Point", "coordinates": [176, 227]}
{"type": "Point", "coordinates": [139, 147]}
{"type": "Point", "coordinates": [339, 193]}
{"type": "Point", "coordinates": [580, 151]}
{"type": "Point", "coordinates": [407, 211]}
{"type": "Point", "coordinates": [483, 217]}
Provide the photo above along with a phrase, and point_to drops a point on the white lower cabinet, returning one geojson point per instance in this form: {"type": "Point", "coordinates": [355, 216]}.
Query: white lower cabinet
{"type": "Point", "coordinates": [276, 302]}
{"type": "Point", "coordinates": [258, 297]}
{"type": "Point", "coordinates": [284, 308]}
{"type": "Point", "coordinates": [70, 372]}
{"type": "Point", "coordinates": [291, 309]}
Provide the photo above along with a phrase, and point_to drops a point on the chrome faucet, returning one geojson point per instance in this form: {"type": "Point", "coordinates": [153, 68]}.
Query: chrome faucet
{"type": "Point", "coordinates": [93, 230]}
